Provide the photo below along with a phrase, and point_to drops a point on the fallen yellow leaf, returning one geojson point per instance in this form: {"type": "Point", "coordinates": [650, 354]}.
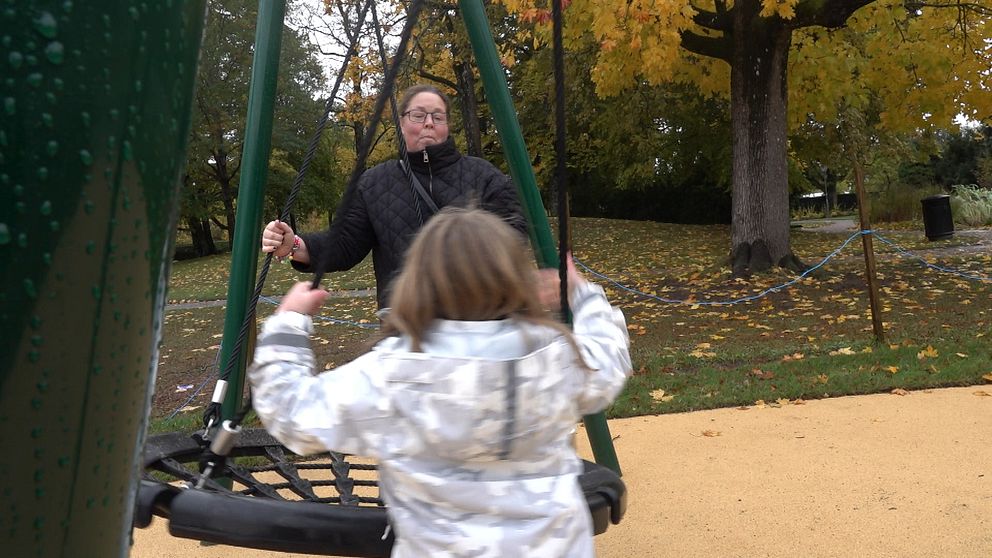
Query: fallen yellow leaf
{"type": "Point", "coordinates": [929, 352]}
{"type": "Point", "coordinates": [711, 433]}
{"type": "Point", "coordinates": [763, 374]}
{"type": "Point", "coordinates": [899, 391]}
{"type": "Point", "coordinates": [842, 351]}
{"type": "Point", "coordinates": [962, 355]}
{"type": "Point", "coordinates": [987, 376]}
{"type": "Point", "coordinates": [659, 396]}
{"type": "Point", "coordinates": [892, 369]}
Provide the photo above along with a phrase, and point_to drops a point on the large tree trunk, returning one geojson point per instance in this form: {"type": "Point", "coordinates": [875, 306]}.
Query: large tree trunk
{"type": "Point", "coordinates": [227, 196]}
{"type": "Point", "coordinates": [470, 107]}
{"type": "Point", "coordinates": [760, 207]}
{"type": "Point", "coordinates": [830, 192]}
{"type": "Point", "coordinates": [464, 85]}
{"type": "Point", "coordinates": [228, 192]}
{"type": "Point", "coordinates": [203, 240]}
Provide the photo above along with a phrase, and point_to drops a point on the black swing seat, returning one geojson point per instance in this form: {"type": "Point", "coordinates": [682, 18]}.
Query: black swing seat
{"type": "Point", "coordinates": [259, 517]}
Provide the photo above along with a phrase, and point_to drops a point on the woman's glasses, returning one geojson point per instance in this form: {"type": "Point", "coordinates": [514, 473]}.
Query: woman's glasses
{"type": "Point", "coordinates": [420, 116]}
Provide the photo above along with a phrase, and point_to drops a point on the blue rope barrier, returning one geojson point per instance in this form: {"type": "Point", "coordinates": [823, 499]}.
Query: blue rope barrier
{"type": "Point", "coordinates": [275, 303]}
{"type": "Point", "coordinates": [328, 318]}
{"type": "Point", "coordinates": [763, 293]}
{"type": "Point", "coordinates": [906, 253]}
{"type": "Point", "coordinates": [197, 391]}
{"type": "Point", "coordinates": [899, 250]}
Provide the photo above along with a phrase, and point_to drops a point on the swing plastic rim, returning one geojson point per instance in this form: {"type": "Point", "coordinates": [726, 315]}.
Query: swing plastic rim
{"type": "Point", "coordinates": [301, 526]}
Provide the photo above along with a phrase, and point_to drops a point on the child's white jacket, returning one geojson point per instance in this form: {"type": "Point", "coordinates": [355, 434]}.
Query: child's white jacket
{"type": "Point", "coordinates": [472, 434]}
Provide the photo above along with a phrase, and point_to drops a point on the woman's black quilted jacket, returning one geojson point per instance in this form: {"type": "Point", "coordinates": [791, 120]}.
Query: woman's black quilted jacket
{"type": "Point", "coordinates": [385, 212]}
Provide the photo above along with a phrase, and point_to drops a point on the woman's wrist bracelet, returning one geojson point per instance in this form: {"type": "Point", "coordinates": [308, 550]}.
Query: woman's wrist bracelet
{"type": "Point", "coordinates": [296, 246]}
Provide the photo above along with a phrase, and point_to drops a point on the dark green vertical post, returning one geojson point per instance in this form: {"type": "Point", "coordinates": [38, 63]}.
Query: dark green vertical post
{"type": "Point", "coordinates": [505, 115]}
{"type": "Point", "coordinates": [95, 102]}
{"type": "Point", "coordinates": [254, 172]}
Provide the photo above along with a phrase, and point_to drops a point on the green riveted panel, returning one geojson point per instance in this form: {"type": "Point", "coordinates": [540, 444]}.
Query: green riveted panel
{"type": "Point", "coordinates": [95, 101]}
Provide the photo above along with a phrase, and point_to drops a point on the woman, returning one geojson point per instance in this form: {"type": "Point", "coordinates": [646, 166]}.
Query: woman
{"type": "Point", "coordinates": [387, 211]}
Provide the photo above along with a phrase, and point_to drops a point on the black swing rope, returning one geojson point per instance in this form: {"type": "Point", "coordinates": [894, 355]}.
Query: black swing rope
{"type": "Point", "coordinates": [212, 414]}
{"type": "Point", "coordinates": [561, 169]}
{"type": "Point", "coordinates": [214, 457]}
{"type": "Point", "coordinates": [404, 154]}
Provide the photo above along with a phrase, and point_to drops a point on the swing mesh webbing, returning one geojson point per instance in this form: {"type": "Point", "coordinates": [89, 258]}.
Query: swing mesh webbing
{"type": "Point", "coordinates": [260, 466]}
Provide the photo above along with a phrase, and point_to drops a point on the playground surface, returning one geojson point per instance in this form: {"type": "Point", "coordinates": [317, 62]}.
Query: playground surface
{"type": "Point", "coordinates": [887, 475]}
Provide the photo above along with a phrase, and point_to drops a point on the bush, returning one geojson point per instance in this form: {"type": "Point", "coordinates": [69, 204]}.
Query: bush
{"type": "Point", "coordinates": [900, 204]}
{"type": "Point", "coordinates": [971, 205]}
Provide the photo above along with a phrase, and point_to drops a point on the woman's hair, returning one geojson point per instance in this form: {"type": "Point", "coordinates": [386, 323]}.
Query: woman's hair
{"type": "Point", "coordinates": [465, 264]}
{"type": "Point", "coordinates": [415, 90]}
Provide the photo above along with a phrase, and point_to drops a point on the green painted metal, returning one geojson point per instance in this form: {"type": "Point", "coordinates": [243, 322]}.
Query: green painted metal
{"type": "Point", "coordinates": [95, 103]}
{"type": "Point", "coordinates": [505, 116]}
{"type": "Point", "coordinates": [254, 173]}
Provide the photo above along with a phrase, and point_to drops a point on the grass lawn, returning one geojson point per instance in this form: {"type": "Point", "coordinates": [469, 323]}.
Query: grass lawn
{"type": "Point", "coordinates": [811, 340]}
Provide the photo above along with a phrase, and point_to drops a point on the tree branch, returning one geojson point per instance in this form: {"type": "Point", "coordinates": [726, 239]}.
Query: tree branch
{"type": "Point", "coordinates": [826, 13]}
{"type": "Point", "coordinates": [713, 47]}
{"type": "Point", "coordinates": [441, 6]}
{"type": "Point", "coordinates": [717, 21]}
{"type": "Point", "coordinates": [963, 6]}
{"type": "Point", "coordinates": [437, 79]}
{"type": "Point", "coordinates": [222, 226]}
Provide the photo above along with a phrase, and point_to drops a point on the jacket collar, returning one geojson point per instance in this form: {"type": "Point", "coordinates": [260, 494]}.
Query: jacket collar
{"type": "Point", "coordinates": [438, 156]}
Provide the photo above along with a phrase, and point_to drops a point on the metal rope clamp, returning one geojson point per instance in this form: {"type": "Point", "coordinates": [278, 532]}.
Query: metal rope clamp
{"type": "Point", "coordinates": [214, 459]}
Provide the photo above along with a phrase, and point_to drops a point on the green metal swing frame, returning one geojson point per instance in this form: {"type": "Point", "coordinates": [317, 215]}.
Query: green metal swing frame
{"type": "Point", "coordinates": [254, 172]}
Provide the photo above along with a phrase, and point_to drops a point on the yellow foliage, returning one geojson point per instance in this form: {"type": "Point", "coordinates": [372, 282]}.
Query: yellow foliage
{"type": "Point", "coordinates": [786, 9]}
{"type": "Point", "coordinates": [925, 69]}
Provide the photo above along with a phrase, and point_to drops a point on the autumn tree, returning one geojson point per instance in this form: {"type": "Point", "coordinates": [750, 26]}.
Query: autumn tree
{"type": "Point", "coordinates": [221, 105]}
{"type": "Point", "coordinates": [781, 61]}
{"type": "Point", "coordinates": [629, 155]}
{"type": "Point", "coordinates": [439, 54]}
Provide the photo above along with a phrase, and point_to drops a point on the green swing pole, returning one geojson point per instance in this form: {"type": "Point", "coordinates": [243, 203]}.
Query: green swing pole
{"type": "Point", "coordinates": [254, 172]}
{"type": "Point", "coordinates": [505, 116]}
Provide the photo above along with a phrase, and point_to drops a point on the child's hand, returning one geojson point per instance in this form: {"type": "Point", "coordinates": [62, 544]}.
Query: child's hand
{"type": "Point", "coordinates": [549, 285]}
{"type": "Point", "coordinates": [549, 289]}
{"type": "Point", "coordinates": [301, 298]}
{"type": "Point", "coordinates": [574, 277]}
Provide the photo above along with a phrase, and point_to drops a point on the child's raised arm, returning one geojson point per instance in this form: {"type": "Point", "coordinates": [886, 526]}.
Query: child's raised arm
{"type": "Point", "coordinates": [308, 413]}
{"type": "Point", "coordinates": [601, 332]}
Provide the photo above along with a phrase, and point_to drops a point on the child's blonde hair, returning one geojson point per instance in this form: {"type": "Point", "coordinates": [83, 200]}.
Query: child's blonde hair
{"type": "Point", "coordinates": [465, 264]}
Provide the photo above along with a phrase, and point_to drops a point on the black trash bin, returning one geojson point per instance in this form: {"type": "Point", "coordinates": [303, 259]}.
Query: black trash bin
{"type": "Point", "coordinates": [937, 221]}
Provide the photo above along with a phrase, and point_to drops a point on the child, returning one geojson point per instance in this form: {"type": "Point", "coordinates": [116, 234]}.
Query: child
{"type": "Point", "coordinates": [469, 401]}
